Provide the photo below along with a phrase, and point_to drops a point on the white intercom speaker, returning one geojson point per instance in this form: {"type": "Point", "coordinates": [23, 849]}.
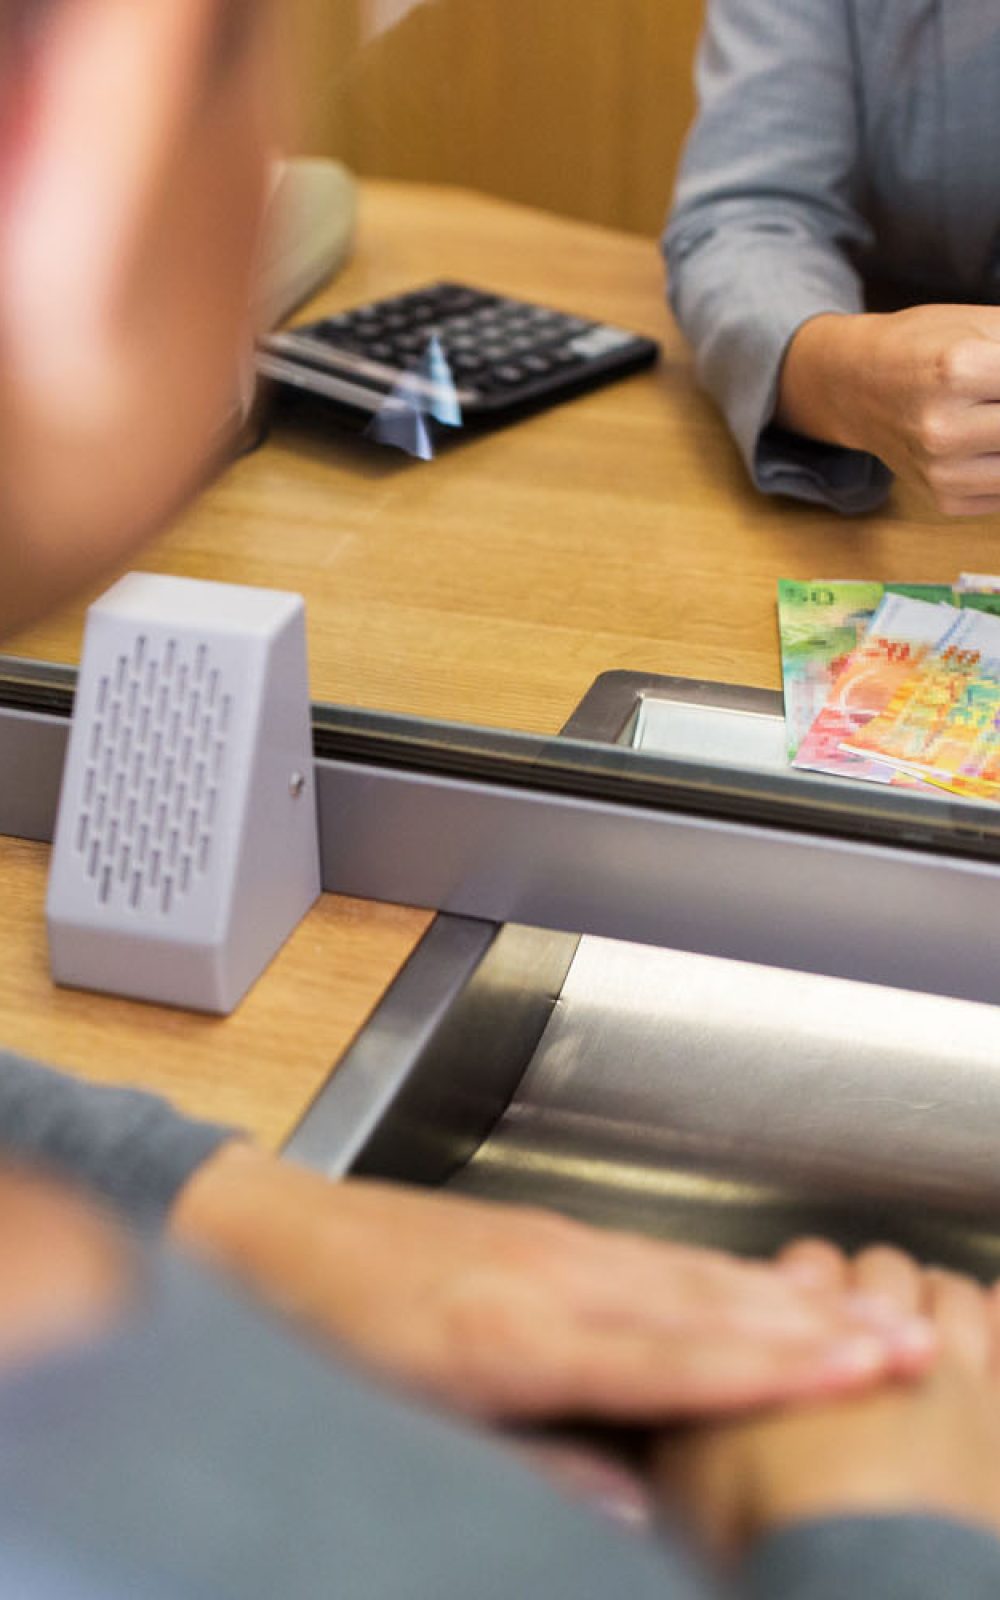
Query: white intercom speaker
{"type": "Point", "coordinates": [186, 845]}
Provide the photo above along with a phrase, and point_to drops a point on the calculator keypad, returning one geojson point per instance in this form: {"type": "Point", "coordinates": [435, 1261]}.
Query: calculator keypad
{"type": "Point", "coordinates": [501, 355]}
{"type": "Point", "coordinates": [491, 342]}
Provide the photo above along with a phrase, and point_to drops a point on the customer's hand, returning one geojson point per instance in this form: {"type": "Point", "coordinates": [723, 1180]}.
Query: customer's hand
{"type": "Point", "coordinates": [918, 388]}
{"type": "Point", "coordinates": [932, 1445]}
{"type": "Point", "coordinates": [504, 1312]}
{"type": "Point", "coordinates": [67, 1272]}
{"type": "Point", "coordinates": [133, 164]}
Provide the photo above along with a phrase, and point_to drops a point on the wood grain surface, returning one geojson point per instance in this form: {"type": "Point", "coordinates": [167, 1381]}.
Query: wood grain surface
{"type": "Point", "coordinates": [491, 586]}
{"type": "Point", "coordinates": [257, 1069]}
{"type": "Point", "coordinates": [579, 106]}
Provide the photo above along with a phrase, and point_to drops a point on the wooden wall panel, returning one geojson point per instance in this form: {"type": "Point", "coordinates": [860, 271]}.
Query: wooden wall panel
{"type": "Point", "coordinates": [579, 106]}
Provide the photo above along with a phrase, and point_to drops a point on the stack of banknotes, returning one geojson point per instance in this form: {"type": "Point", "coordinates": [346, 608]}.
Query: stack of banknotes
{"type": "Point", "coordinates": [895, 683]}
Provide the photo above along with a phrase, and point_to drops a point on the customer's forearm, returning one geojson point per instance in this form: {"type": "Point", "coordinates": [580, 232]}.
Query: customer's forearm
{"type": "Point", "coordinates": [130, 1149]}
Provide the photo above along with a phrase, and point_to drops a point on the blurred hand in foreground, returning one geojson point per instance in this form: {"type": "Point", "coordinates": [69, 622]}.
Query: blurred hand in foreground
{"type": "Point", "coordinates": [931, 1446]}
{"type": "Point", "coordinates": [67, 1274]}
{"type": "Point", "coordinates": [502, 1312]}
{"type": "Point", "coordinates": [133, 158]}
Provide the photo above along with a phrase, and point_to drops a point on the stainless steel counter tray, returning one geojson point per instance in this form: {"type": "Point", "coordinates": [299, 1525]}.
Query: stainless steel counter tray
{"type": "Point", "coordinates": [688, 1096]}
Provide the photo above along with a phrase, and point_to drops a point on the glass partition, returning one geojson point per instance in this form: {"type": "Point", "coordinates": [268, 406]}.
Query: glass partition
{"type": "Point", "coordinates": [493, 494]}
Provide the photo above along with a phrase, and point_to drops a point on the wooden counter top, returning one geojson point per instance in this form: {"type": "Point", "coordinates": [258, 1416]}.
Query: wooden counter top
{"type": "Point", "coordinates": [257, 1069]}
{"type": "Point", "coordinates": [492, 586]}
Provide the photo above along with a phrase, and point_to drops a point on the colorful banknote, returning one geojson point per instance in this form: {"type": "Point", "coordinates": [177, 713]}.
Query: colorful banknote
{"type": "Point", "coordinates": [978, 599]}
{"type": "Point", "coordinates": [902, 633]}
{"type": "Point", "coordinates": [942, 720]}
{"type": "Point", "coordinates": [821, 624]}
{"type": "Point", "coordinates": [977, 582]}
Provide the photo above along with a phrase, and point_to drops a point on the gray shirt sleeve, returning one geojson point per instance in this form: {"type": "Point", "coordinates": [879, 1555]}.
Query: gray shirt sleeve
{"type": "Point", "coordinates": [766, 227]}
{"type": "Point", "coordinates": [227, 1461]}
{"type": "Point", "coordinates": [130, 1149]}
{"type": "Point", "coordinates": [891, 1557]}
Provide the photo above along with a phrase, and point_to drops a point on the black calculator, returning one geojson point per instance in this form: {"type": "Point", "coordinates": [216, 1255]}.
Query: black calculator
{"type": "Point", "coordinates": [458, 356]}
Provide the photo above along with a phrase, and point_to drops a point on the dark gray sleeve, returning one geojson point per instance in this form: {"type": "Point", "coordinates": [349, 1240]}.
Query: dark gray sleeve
{"type": "Point", "coordinates": [224, 1460]}
{"type": "Point", "coordinates": [130, 1149]}
{"type": "Point", "coordinates": [765, 227]}
{"type": "Point", "coordinates": [227, 1461]}
{"type": "Point", "coordinates": [877, 1558]}
{"type": "Point", "coordinates": [204, 1454]}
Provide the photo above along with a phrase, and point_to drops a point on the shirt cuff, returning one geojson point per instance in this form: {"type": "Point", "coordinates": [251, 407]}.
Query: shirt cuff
{"type": "Point", "coordinates": [740, 302]}
{"type": "Point", "coordinates": [130, 1150]}
{"type": "Point", "coordinates": [849, 481]}
{"type": "Point", "coordinates": [779, 461]}
{"type": "Point", "coordinates": [891, 1557]}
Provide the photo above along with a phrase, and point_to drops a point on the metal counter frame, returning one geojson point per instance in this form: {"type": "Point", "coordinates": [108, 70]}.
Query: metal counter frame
{"type": "Point", "coordinates": [896, 915]}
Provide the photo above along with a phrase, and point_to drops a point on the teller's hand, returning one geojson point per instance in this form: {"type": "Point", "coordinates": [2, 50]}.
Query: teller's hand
{"type": "Point", "coordinates": [918, 388]}
{"type": "Point", "coordinates": [506, 1313]}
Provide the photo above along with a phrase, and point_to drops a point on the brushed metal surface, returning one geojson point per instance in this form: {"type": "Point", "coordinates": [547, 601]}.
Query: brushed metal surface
{"type": "Point", "coordinates": [438, 1061]}
{"type": "Point", "coordinates": [717, 734]}
{"type": "Point", "coordinates": [722, 886]}
{"type": "Point", "coordinates": [726, 1102]}
{"type": "Point", "coordinates": [609, 710]}
{"type": "Point", "coordinates": [32, 755]}
{"type": "Point", "coordinates": [738, 1105]}
{"type": "Point", "coordinates": [682, 881]}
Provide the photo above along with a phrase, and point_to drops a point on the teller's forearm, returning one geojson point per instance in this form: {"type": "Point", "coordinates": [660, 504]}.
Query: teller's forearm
{"type": "Point", "coordinates": [823, 377]}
